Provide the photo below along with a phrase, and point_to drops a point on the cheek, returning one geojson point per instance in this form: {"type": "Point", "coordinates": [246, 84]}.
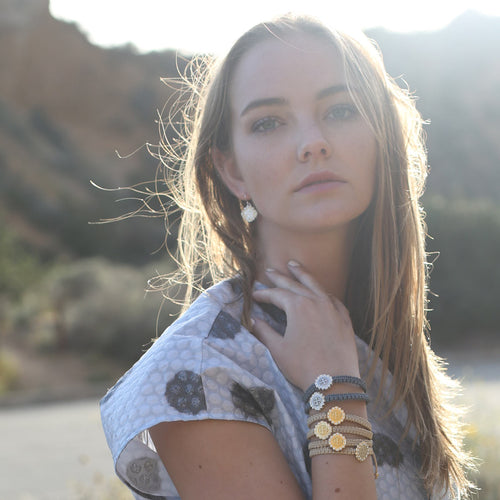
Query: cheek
{"type": "Point", "coordinates": [363, 152]}
{"type": "Point", "coordinates": [371, 162]}
{"type": "Point", "coordinates": [261, 169]}
{"type": "Point", "coordinates": [364, 148]}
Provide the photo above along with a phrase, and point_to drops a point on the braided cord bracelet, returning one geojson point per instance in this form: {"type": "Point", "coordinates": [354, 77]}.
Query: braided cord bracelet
{"type": "Point", "coordinates": [323, 430]}
{"type": "Point", "coordinates": [317, 401]}
{"type": "Point", "coordinates": [336, 416]}
{"type": "Point", "coordinates": [362, 451]}
{"type": "Point", "coordinates": [337, 443]}
{"type": "Point", "coordinates": [346, 451]}
{"type": "Point", "coordinates": [324, 382]}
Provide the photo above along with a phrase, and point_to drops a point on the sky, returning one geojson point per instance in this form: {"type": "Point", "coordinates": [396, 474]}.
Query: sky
{"type": "Point", "coordinates": [212, 25]}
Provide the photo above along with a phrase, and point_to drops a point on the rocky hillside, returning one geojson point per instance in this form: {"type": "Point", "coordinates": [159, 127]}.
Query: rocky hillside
{"type": "Point", "coordinates": [455, 73]}
{"type": "Point", "coordinates": [66, 106]}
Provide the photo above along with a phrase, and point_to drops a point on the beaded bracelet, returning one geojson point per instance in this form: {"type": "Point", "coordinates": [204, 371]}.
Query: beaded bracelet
{"type": "Point", "coordinates": [323, 430]}
{"type": "Point", "coordinates": [362, 451]}
{"type": "Point", "coordinates": [324, 382]}
{"type": "Point", "coordinates": [350, 450]}
{"type": "Point", "coordinates": [336, 416]}
{"type": "Point", "coordinates": [337, 442]}
{"type": "Point", "coordinates": [317, 401]}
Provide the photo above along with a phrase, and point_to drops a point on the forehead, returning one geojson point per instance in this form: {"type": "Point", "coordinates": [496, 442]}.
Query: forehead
{"type": "Point", "coordinates": [297, 65]}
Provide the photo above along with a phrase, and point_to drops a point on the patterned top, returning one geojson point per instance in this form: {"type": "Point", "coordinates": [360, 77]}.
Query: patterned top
{"type": "Point", "coordinates": [206, 365]}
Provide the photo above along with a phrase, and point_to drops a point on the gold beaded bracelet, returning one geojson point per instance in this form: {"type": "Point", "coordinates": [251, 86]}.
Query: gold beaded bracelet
{"type": "Point", "coordinates": [336, 416]}
{"type": "Point", "coordinates": [323, 430]}
{"type": "Point", "coordinates": [337, 443]}
{"type": "Point", "coordinates": [362, 451]}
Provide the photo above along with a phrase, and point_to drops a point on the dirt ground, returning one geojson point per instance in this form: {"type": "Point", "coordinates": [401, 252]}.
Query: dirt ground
{"type": "Point", "coordinates": [55, 452]}
{"type": "Point", "coordinates": [55, 376]}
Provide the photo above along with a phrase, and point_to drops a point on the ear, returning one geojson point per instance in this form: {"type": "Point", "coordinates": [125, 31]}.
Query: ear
{"type": "Point", "coordinates": [229, 172]}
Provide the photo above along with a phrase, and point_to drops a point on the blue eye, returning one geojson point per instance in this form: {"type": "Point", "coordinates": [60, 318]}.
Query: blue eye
{"type": "Point", "coordinates": [266, 124]}
{"type": "Point", "coordinates": [342, 112]}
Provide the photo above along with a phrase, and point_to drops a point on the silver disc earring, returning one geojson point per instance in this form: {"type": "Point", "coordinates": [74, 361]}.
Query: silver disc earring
{"type": "Point", "coordinates": [248, 212]}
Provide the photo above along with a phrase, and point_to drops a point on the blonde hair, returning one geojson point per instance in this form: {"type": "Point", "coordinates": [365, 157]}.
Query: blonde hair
{"type": "Point", "coordinates": [389, 252]}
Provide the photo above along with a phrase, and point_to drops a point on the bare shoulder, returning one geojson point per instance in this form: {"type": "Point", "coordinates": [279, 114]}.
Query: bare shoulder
{"type": "Point", "coordinates": [224, 460]}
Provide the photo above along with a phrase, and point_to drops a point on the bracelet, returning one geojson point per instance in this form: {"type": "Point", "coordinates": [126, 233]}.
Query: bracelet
{"type": "Point", "coordinates": [362, 451]}
{"type": "Point", "coordinates": [330, 434]}
{"type": "Point", "coordinates": [336, 416]}
{"type": "Point", "coordinates": [324, 382]}
{"type": "Point", "coordinates": [317, 400]}
{"type": "Point", "coordinates": [323, 430]}
{"type": "Point", "coordinates": [337, 443]}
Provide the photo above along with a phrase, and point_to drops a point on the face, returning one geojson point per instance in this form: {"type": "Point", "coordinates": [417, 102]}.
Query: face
{"type": "Point", "coordinates": [300, 149]}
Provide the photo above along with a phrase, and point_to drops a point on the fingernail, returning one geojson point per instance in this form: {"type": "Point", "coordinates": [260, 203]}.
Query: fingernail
{"type": "Point", "coordinates": [293, 263]}
{"type": "Point", "coordinates": [269, 270]}
{"type": "Point", "coordinates": [252, 322]}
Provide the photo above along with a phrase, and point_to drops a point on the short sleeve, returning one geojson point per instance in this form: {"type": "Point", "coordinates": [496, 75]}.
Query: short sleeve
{"type": "Point", "coordinates": [206, 366]}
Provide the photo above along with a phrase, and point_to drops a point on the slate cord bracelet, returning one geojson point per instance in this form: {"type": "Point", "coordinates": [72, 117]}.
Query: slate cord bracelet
{"type": "Point", "coordinates": [324, 382]}
{"type": "Point", "coordinates": [318, 400]}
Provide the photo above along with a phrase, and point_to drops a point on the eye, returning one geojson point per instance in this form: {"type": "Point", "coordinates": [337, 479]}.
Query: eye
{"type": "Point", "coordinates": [266, 124]}
{"type": "Point", "coordinates": [341, 112]}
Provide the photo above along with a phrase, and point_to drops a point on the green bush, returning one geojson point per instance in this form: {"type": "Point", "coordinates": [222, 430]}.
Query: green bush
{"type": "Point", "coordinates": [94, 307]}
{"type": "Point", "coordinates": [466, 275]}
{"type": "Point", "coordinates": [18, 267]}
{"type": "Point", "coordinates": [9, 372]}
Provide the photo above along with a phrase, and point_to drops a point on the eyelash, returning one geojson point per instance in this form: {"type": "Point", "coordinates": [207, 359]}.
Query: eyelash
{"type": "Point", "coordinates": [262, 126]}
{"type": "Point", "coordinates": [259, 125]}
{"type": "Point", "coordinates": [349, 108]}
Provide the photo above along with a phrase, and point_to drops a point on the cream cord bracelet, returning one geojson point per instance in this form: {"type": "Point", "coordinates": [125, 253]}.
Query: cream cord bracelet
{"type": "Point", "coordinates": [337, 442]}
{"type": "Point", "coordinates": [323, 430]}
{"type": "Point", "coordinates": [336, 416]}
{"type": "Point", "coordinates": [362, 451]}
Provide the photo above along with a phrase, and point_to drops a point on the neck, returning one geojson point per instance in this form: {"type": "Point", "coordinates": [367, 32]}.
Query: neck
{"type": "Point", "coordinates": [325, 255]}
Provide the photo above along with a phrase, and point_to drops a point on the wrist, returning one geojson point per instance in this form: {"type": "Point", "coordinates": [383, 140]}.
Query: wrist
{"type": "Point", "coordinates": [327, 389]}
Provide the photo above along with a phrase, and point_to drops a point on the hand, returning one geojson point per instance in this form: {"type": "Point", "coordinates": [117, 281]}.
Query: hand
{"type": "Point", "coordinates": [319, 337]}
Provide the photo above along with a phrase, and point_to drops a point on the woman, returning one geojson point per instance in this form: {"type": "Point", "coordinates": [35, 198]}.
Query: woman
{"type": "Point", "coordinates": [300, 187]}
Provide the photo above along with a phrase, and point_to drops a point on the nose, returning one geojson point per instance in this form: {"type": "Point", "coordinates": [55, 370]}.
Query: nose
{"type": "Point", "coordinates": [313, 145]}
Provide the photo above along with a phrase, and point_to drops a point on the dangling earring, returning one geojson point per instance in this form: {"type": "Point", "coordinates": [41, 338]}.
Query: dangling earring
{"type": "Point", "coordinates": [248, 212]}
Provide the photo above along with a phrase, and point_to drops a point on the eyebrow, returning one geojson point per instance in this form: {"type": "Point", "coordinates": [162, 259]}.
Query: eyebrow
{"type": "Point", "coordinates": [334, 89]}
{"type": "Point", "coordinates": [281, 101]}
{"type": "Point", "coordinates": [270, 101]}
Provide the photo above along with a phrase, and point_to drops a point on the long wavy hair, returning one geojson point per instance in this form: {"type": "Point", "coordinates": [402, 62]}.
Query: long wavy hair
{"type": "Point", "coordinates": [389, 252]}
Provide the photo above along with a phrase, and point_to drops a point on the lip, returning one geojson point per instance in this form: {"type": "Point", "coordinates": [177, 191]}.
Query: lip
{"type": "Point", "coordinates": [318, 180]}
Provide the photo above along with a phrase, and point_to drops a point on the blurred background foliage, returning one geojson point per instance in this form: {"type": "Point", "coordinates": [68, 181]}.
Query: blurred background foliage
{"type": "Point", "coordinates": [67, 107]}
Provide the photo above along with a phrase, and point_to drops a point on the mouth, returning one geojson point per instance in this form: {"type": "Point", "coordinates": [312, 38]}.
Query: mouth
{"type": "Point", "coordinates": [319, 179]}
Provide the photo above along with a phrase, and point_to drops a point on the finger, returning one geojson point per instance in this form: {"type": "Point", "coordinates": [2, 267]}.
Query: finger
{"type": "Point", "coordinates": [280, 297]}
{"type": "Point", "coordinates": [263, 332]}
{"type": "Point", "coordinates": [286, 282]}
{"type": "Point", "coordinates": [305, 278]}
